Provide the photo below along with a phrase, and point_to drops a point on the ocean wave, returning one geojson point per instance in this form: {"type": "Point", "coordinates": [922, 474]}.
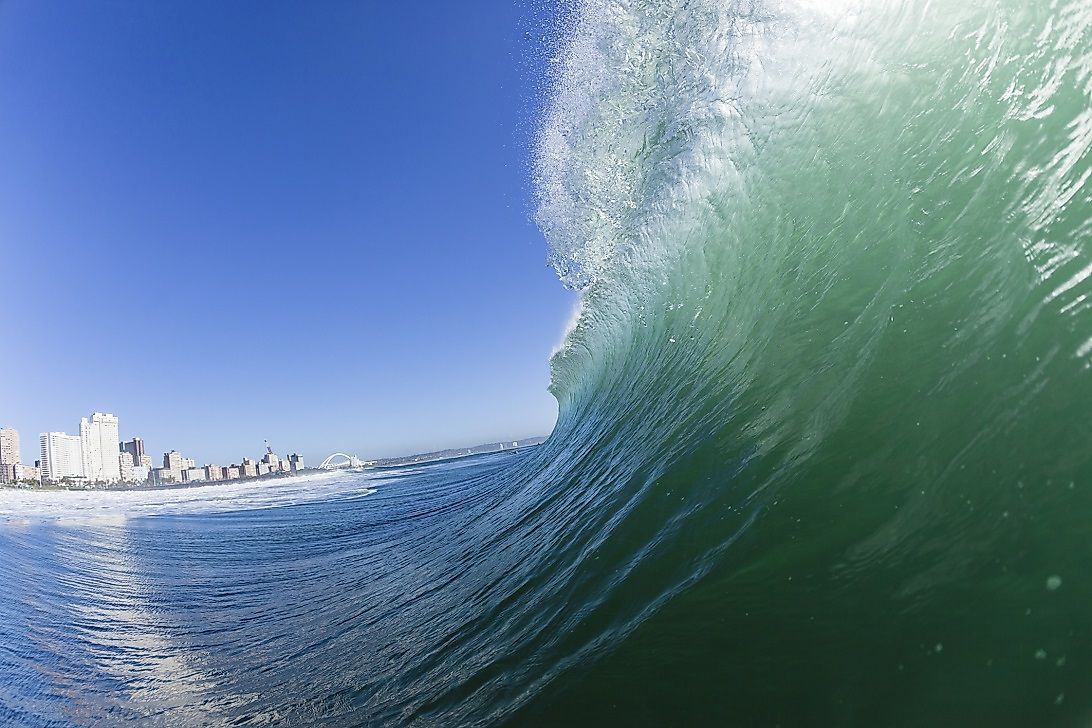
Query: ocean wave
{"type": "Point", "coordinates": [823, 453]}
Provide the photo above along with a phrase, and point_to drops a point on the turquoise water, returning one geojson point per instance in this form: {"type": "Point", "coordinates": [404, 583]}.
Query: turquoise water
{"type": "Point", "coordinates": [824, 450]}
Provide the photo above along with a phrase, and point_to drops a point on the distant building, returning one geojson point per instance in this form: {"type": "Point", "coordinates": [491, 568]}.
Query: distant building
{"type": "Point", "coordinates": [276, 464]}
{"type": "Point", "coordinates": [166, 475]}
{"type": "Point", "coordinates": [135, 448]}
{"type": "Point", "coordinates": [9, 454]}
{"type": "Point", "coordinates": [140, 473]}
{"type": "Point", "coordinates": [188, 463]}
{"type": "Point", "coordinates": [193, 475]}
{"type": "Point", "coordinates": [99, 443]}
{"type": "Point", "coordinates": [127, 466]}
{"type": "Point", "coordinates": [249, 468]}
{"type": "Point", "coordinates": [25, 473]}
{"type": "Point", "coordinates": [173, 461]}
{"type": "Point", "coordinates": [231, 472]}
{"type": "Point", "coordinates": [62, 456]}
{"type": "Point", "coordinates": [296, 462]}
{"type": "Point", "coordinates": [263, 468]}
{"type": "Point", "coordinates": [214, 472]}
{"type": "Point", "coordinates": [18, 473]}
{"type": "Point", "coordinates": [9, 446]}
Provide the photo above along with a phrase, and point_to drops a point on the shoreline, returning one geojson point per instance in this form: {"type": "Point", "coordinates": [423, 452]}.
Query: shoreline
{"type": "Point", "coordinates": [143, 487]}
{"type": "Point", "coordinates": [429, 458]}
{"type": "Point", "coordinates": [72, 506]}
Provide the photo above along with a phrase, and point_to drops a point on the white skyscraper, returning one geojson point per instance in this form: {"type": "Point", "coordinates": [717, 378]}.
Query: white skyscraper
{"type": "Point", "coordinates": [62, 456]}
{"type": "Point", "coordinates": [100, 444]}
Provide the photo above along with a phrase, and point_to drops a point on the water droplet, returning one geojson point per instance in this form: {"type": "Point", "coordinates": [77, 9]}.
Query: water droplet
{"type": "Point", "coordinates": [1040, 654]}
{"type": "Point", "coordinates": [1053, 582]}
{"type": "Point", "coordinates": [939, 647]}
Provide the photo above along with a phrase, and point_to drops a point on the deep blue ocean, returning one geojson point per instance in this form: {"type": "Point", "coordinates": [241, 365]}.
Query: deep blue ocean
{"type": "Point", "coordinates": [339, 599]}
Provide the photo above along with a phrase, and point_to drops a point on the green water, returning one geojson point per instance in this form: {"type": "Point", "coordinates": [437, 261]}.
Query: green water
{"type": "Point", "coordinates": [836, 264]}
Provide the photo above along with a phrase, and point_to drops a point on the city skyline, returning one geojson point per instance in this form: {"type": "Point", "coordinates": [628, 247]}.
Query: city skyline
{"type": "Point", "coordinates": [98, 456]}
{"type": "Point", "coordinates": [62, 457]}
{"type": "Point", "coordinates": [14, 441]}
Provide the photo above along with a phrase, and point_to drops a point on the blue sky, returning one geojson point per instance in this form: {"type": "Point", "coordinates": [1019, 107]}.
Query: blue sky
{"type": "Point", "coordinates": [307, 222]}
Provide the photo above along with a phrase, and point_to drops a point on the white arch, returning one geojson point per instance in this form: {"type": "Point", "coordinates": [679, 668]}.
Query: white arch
{"type": "Point", "coordinates": [328, 463]}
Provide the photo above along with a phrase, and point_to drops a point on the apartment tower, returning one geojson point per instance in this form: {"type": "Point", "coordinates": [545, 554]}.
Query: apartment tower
{"type": "Point", "coordinates": [62, 456]}
{"type": "Point", "coordinates": [100, 444]}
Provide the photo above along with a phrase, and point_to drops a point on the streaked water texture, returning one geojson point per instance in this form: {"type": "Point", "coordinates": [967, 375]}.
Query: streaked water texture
{"type": "Point", "coordinates": [824, 451]}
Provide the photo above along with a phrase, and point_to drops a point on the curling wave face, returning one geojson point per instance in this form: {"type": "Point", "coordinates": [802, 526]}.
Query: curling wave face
{"type": "Point", "coordinates": [831, 378]}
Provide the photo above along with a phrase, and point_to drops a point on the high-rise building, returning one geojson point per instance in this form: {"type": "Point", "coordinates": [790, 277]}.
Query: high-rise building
{"type": "Point", "coordinates": [172, 461]}
{"type": "Point", "coordinates": [214, 472]}
{"type": "Point", "coordinates": [276, 464]}
{"type": "Point", "coordinates": [127, 466]}
{"type": "Point", "coordinates": [100, 445]}
{"type": "Point", "coordinates": [9, 446]}
{"type": "Point", "coordinates": [135, 447]}
{"type": "Point", "coordinates": [248, 469]}
{"type": "Point", "coordinates": [62, 456]}
{"type": "Point", "coordinates": [296, 461]}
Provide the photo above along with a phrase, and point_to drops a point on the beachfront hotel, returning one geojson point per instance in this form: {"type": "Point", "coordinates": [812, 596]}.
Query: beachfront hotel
{"type": "Point", "coordinates": [99, 444]}
{"type": "Point", "coordinates": [62, 456]}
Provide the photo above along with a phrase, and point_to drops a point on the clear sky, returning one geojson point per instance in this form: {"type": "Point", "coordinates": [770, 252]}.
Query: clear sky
{"type": "Point", "coordinates": [307, 222]}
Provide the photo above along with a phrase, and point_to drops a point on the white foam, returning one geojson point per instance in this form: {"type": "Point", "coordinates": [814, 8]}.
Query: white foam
{"type": "Point", "coordinates": [113, 506]}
